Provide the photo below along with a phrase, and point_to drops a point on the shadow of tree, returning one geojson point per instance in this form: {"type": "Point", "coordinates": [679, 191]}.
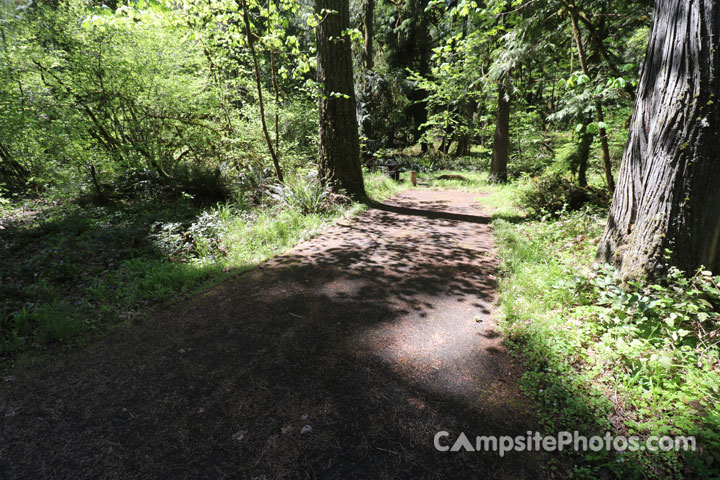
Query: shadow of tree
{"type": "Point", "coordinates": [65, 269]}
{"type": "Point", "coordinates": [375, 334]}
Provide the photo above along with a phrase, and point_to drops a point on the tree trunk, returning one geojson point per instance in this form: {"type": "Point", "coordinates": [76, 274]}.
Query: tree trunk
{"type": "Point", "coordinates": [463, 139]}
{"type": "Point", "coordinates": [607, 166]}
{"type": "Point", "coordinates": [501, 143]}
{"type": "Point", "coordinates": [101, 197]}
{"type": "Point", "coordinates": [463, 146]}
{"type": "Point", "coordinates": [13, 174]}
{"type": "Point", "coordinates": [339, 156]}
{"type": "Point", "coordinates": [276, 112]}
{"type": "Point", "coordinates": [424, 45]}
{"type": "Point", "coordinates": [666, 209]}
{"type": "Point", "coordinates": [366, 98]}
{"type": "Point", "coordinates": [583, 152]}
{"type": "Point", "coordinates": [368, 33]}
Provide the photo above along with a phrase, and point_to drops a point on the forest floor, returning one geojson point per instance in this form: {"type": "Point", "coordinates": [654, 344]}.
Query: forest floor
{"type": "Point", "coordinates": [339, 359]}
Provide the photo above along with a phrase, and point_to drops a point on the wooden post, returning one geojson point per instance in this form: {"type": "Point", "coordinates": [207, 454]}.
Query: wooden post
{"type": "Point", "coordinates": [413, 178]}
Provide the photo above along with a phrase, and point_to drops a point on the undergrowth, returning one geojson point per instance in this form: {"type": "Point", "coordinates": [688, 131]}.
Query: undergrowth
{"type": "Point", "coordinates": [70, 271]}
{"type": "Point", "coordinates": [640, 358]}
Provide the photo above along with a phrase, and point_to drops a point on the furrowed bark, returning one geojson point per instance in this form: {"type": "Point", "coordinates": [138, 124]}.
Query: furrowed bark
{"type": "Point", "coordinates": [666, 209]}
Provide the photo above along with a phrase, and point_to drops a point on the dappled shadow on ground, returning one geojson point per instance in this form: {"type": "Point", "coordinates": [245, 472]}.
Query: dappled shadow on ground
{"type": "Point", "coordinates": [68, 246]}
{"type": "Point", "coordinates": [371, 337]}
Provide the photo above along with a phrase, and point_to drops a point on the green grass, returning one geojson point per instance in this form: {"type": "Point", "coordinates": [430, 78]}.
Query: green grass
{"type": "Point", "coordinates": [598, 358]}
{"type": "Point", "coordinates": [380, 187]}
{"type": "Point", "coordinates": [475, 181]}
{"type": "Point", "coordinates": [70, 273]}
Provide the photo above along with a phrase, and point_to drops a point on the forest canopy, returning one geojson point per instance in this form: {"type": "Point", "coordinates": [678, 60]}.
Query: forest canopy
{"type": "Point", "coordinates": [110, 99]}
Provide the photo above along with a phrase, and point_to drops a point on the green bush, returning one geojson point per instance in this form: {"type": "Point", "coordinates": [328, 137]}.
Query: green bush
{"type": "Point", "coordinates": [602, 355]}
{"type": "Point", "coordinates": [182, 241]}
{"type": "Point", "coordinates": [305, 194]}
{"type": "Point", "coordinates": [202, 183]}
{"type": "Point", "coordinates": [553, 194]}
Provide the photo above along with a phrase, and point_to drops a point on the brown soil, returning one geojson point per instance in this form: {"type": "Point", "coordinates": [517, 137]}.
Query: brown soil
{"type": "Point", "coordinates": [376, 334]}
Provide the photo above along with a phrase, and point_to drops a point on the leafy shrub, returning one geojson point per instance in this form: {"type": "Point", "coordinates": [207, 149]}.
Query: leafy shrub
{"type": "Point", "coordinates": [305, 194]}
{"type": "Point", "coordinates": [180, 241]}
{"type": "Point", "coordinates": [115, 91]}
{"type": "Point", "coordinates": [527, 165]}
{"type": "Point", "coordinates": [299, 132]}
{"type": "Point", "coordinates": [602, 355]}
{"type": "Point", "coordinates": [202, 183]}
{"type": "Point", "coordinates": [553, 194]}
{"type": "Point", "coordinates": [661, 339]}
{"type": "Point", "coordinates": [532, 158]}
{"type": "Point", "coordinates": [138, 181]}
{"type": "Point", "coordinates": [678, 309]}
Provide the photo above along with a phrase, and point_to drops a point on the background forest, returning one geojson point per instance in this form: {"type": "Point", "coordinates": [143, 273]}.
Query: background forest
{"type": "Point", "coordinates": [108, 100]}
{"type": "Point", "coordinates": [148, 147]}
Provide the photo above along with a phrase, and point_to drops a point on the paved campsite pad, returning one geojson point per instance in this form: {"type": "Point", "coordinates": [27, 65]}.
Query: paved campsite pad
{"type": "Point", "coordinates": [369, 338]}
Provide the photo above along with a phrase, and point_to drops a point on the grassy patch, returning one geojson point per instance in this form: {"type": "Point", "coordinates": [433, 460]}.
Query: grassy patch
{"type": "Point", "coordinates": [454, 180]}
{"type": "Point", "coordinates": [380, 187]}
{"type": "Point", "coordinates": [601, 356]}
{"type": "Point", "coordinates": [70, 271]}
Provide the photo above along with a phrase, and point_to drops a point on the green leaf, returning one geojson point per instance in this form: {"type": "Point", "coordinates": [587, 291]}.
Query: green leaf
{"type": "Point", "coordinates": [665, 360]}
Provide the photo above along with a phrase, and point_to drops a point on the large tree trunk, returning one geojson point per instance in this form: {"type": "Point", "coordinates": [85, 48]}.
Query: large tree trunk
{"type": "Point", "coordinates": [339, 156]}
{"type": "Point", "coordinates": [501, 143]}
{"type": "Point", "coordinates": [667, 197]}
